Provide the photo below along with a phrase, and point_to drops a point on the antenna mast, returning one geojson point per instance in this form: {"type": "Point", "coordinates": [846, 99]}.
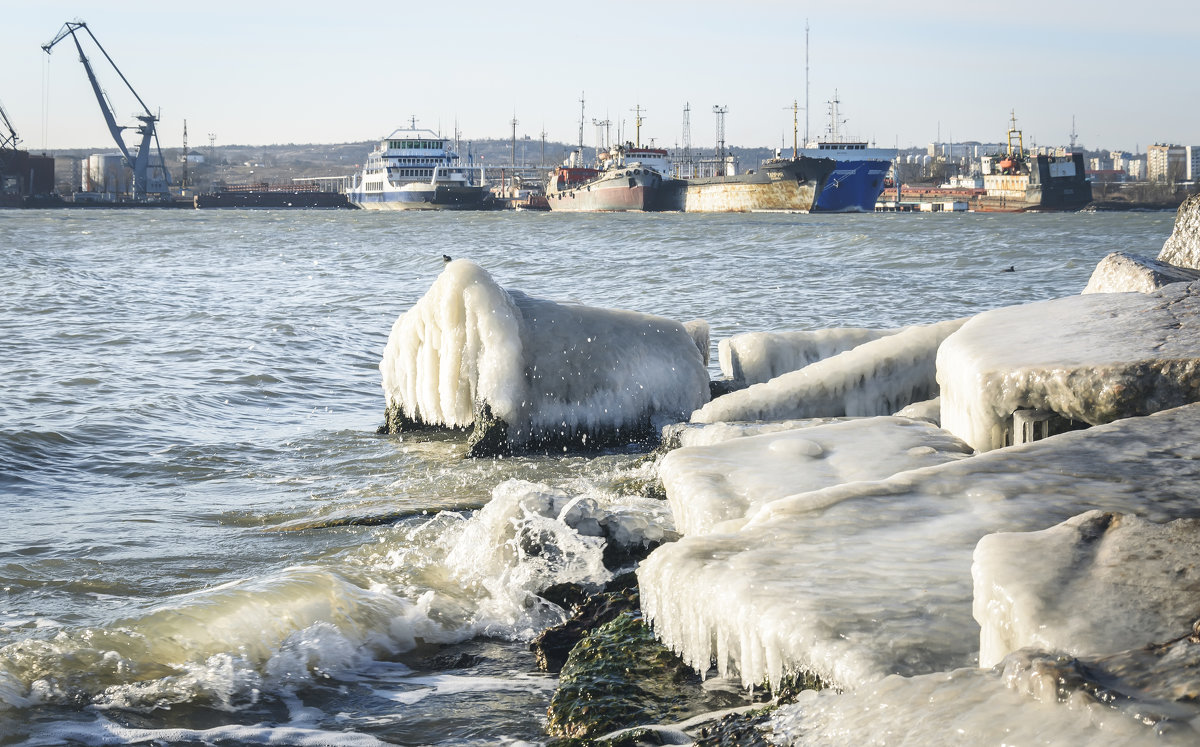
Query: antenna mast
{"type": "Point", "coordinates": [806, 82]}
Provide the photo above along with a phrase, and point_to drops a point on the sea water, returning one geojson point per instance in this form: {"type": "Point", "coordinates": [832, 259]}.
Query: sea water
{"type": "Point", "coordinates": [203, 539]}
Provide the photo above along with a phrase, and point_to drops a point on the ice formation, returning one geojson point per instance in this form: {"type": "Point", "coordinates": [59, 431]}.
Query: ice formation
{"type": "Point", "coordinates": [755, 357]}
{"type": "Point", "coordinates": [1097, 583]}
{"type": "Point", "coordinates": [862, 580]}
{"type": "Point", "coordinates": [708, 485]}
{"type": "Point", "coordinates": [1123, 272]}
{"type": "Point", "coordinates": [1104, 356]}
{"type": "Point", "coordinates": [877, 377]}
{"type": "Point", "coordinates": [1031, 700]}
{"type": "Point", "coordinates": [1182, 247]}
{"type": "Point", "coordinates": [534, 372]}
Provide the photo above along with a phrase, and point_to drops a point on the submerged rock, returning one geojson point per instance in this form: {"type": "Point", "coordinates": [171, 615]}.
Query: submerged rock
{"type": "Point", "coordinates": [1095, 584]}
{"type": "Point", "coordinates": [528, 373]}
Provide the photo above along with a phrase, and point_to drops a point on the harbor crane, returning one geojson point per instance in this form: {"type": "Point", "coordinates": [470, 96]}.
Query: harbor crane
{"type": "Point", "coordinates": [8, 133]}
{"type": "Point", "coordinates": [139, 161]}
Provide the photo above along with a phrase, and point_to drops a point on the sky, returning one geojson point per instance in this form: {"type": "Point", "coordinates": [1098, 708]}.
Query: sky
{"type": "Point", "coordinates": [906, 74]}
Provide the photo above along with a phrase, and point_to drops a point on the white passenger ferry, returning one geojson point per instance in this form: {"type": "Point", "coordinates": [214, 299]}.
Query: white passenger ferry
{"type": "Point", "coordinates": [414, 169]}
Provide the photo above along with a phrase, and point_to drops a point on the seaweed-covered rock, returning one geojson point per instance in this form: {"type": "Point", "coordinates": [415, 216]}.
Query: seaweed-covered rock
{"type": "Point", "coordinates": [620, 676]}
{"type": "Point", "coordinates": [553, 645]}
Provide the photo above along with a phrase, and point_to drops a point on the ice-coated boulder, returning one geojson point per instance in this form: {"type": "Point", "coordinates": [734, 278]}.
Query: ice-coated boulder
{"type": "Point", "coordinates": [866, 579]}
{"type": "Point", "coordinates": [1096, 584]}
{"type": "Point", "coordinates": [755, 357]}
{"type": "Point", "coordinates": [676, 435]}
{"type": "Point", "coordinates": [708, 485]}
{"type": "Point", "coordinates": [1123, 272]}
{"type": "Point", "coordinates": [531, 373]}
{"type": "Point", "coordinates": [1089, 359]}
{"type": "Point", "coordinates": [877, 377]}
{"type": "Point", "coordinates": [1144, 697]}
{"type": "Point", "coordinates": [1182, 247]}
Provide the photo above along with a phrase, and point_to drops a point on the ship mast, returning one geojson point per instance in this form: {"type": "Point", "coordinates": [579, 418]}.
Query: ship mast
{"type": "Point", "coordinates": [1012, 130]}
{"type": "Point", "coordinates": [637, 119]}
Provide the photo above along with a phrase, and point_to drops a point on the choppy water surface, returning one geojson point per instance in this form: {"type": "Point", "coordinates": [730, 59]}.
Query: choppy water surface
{"type": "Point", "coordinates": [204, 539]}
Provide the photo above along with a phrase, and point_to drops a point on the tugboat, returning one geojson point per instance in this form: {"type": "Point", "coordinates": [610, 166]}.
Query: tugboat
{"type": "Point", "coordinates": [414, 169]}
{"type": "Point", "coordinates": [1014, 181]}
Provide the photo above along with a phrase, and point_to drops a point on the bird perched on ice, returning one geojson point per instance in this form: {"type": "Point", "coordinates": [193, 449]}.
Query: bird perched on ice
{"type": "Point", "coordinates": [446, 259]}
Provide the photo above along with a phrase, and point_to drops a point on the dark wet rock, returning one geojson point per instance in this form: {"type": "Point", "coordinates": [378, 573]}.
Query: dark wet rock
{"type": "Point", "coordinates": [566, 595]}
{"type": "Point", "coordinates": [721, 387]}
{"type": "Point", "coordinates": [553, 645]}
{"type": "Point", "coordinates": [737, 730]}
{"type": "Point", "coordinates": [489, 437]}
{"type": "Point", "coordinates": [620, 676]}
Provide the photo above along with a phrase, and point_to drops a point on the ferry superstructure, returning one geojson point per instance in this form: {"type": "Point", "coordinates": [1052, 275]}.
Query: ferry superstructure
{"type": "Point", "coordinates": [856, 181]}
{"type": "Point", "coordinates": [415, 169]}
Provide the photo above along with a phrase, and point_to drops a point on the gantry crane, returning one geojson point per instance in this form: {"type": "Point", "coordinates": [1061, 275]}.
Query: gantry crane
{"type": "Point", "coordinates": [139, 162]}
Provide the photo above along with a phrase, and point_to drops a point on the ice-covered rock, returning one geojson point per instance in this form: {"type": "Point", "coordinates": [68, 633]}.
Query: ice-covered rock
{"type": "Point", "coordinates": [676, 435]}
{"type": "Point", "coordinates": [527, 372]}
{"type": "Point", "coordinates": [930, 410]}
{"type": "Point", "coordinates": [1123, 272]}
{"type": "Point", "coordinates": [866, 579]}
{"type": "Point", "coordinates": [1089, 359]}
{"type": "Point", "coordinates": [1182, 247]}
{"type": "Point", "coordinates": [755, 357]}
{"type": "Point", "coordinates": [708, 485]}
{"type": "Point", "coordinates": [1095, 584]}
{"type": "Point", "coordinates": [877, 377]}
{"type": "Point", "coordinates": [1034, 698]}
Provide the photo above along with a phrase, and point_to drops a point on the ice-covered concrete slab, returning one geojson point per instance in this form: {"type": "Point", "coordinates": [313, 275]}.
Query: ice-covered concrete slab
{"type": "Point", "coordinates": [862, 580]}
{"type": "Point", "coordinates": [1090, 358]}
{"type": "Point", "coordinates": [877, 377]}
{"type": "Point", "coordinates": [536, 372]}
{"type": "Point", "coordinates": [1123, 272]}
{"type": "Point", "coordinates": [1033, 698]}
{"type": "Point", "coordinates": [708, 485]}
{"type": "Point", "coordinates": [1182, 247]}
{"type": "Point", "coordinates": [755, 357]}
{"type": "Point", "coordinates": [677, 435]}
{"type": "Point", "coordinates": [1095, 584]}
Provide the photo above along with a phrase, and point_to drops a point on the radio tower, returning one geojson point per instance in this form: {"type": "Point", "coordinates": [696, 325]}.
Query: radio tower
{"type": "Point", "coordinates": [514, 139]}
{"type": "Point", "coordinates": [720, 112]}
{"type": "Point", "coordinates": [184, 184]}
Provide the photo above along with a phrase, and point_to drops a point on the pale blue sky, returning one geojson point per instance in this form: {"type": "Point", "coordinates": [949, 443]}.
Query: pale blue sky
{"type": "Point", "coordinates": [321, 72]}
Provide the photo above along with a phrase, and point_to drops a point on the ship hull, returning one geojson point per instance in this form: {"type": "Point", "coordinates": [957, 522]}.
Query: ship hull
{"type": "Point", "coordinates": [790, 185]}
{"type": "Point", "coordinates": [422, 197]}
{"type": "Point", "coordinates": [853, 187]}
{"type": "Point", "coordinates": [1057, 183]}
{"type": "Point", "coordinates": [620, 191]}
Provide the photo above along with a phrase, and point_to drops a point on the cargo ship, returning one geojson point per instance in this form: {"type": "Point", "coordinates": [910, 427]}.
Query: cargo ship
{"type": "Point", "coordinates": [414, 169]}
{"type": "Point", "coordinates": [784, 184]}
{"type": "Point", "coordinates": [626, 178]}
{"type": "Point", "coordinates": [858, 175]}
{"type": "Point", "coordinates": [1016, 181]}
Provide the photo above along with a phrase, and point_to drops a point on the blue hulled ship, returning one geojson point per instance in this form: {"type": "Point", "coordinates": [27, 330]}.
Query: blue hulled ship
{"type": "Point", "coordinates": [857, 178]}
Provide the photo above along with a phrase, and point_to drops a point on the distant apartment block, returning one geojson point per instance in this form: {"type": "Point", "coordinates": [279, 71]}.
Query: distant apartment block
{"type": "Point", "coordinates": [1193, 162]}
{"type": "Point", "coordinates": [1166, 163]}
